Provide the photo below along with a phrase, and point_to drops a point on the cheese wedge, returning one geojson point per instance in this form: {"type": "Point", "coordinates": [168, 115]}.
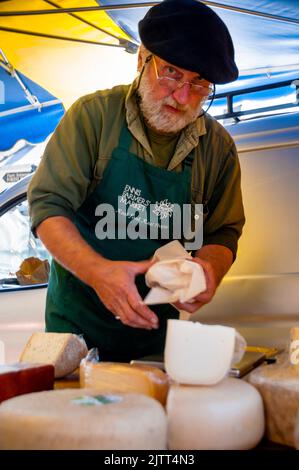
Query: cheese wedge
{"type": "Point", "coordinates": [63, 350]}
{"type": "Point", "coordinates": [118, 377]}
{"type": "Point", "coordinates": [198, 354]}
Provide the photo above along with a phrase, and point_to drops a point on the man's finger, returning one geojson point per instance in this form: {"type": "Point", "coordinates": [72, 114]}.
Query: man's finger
{"type": "Point", "coordinates": [136, 319]}
{"type": "Point", "coordinates": [123, 312]}
{"type": "Point", "coordinates": [128, 315]}
{"type": "Point", "coordinates": [140, 308]}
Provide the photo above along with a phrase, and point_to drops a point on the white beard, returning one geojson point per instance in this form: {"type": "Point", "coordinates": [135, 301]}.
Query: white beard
{"type": "Point", "coordinates": [157, 117]}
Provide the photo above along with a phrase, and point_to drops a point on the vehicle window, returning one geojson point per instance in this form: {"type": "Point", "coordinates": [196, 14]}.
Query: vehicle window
{"type": "Point", "coordinates": [24, 261]}
{"type": "Point", "coordinates": [259, 102]}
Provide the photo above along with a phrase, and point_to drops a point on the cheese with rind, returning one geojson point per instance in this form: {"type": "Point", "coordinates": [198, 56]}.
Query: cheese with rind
{"type": "Point", "coordinates": [279, 386]}
{"type": "Point", "coordinates": [63, 350]}
{"type": "Point", "coordinates": [226, 416]}
{"type": "Point", "coordinates": [17, 379]}
{"type": "Point", "coordinates": [121, 377]}
{"type": "Point", "coordinates": [82, 419]}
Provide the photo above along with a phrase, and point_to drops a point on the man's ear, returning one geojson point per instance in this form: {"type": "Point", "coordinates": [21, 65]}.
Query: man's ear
{"type": "Point", "coordinates": [140, 60]}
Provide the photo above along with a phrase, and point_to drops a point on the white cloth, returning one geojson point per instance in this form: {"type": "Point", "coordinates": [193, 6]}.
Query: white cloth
{"type": "Point", "coordinates": [174, 277]}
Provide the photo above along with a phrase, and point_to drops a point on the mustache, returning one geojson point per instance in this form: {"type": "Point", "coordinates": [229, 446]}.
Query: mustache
{"type": "Point", "coordinates": [174, 104]}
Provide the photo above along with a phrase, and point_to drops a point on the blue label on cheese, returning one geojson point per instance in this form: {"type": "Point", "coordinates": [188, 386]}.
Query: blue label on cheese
{"type": "Point", "coordinates": [97, 400]}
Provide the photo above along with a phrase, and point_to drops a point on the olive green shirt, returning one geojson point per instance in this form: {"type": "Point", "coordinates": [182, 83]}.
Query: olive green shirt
{"type": "Point", "coordinates": [163, 146]}
{"type": "Point", "coordinates": [81, 146]}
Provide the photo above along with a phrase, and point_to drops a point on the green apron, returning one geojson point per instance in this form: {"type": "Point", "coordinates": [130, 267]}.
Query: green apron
{"type": "Point", "coordinates": [72, 306]}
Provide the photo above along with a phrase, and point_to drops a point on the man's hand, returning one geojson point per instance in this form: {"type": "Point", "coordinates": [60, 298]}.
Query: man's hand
{"type": "Point", "coordinates": [205, 296]}
{"type": "Point", "coordinates": [215, 261]}
{"type": "Point", "coordinates": [114, 282]}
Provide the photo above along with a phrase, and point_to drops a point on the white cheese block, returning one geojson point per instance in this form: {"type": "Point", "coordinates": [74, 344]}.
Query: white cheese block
{"type": "Point", "coordinates": [82, 419]}
{"type": "Point", "coordinates": [227, 416]}
{"type": "Point", "coordinates": [63, 350]}
{"type": "Point", "coordinates": [198, 354]}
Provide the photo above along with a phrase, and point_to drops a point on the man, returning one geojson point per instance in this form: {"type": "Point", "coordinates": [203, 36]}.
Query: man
{"type": "Point", "coordinates": [149, 142]}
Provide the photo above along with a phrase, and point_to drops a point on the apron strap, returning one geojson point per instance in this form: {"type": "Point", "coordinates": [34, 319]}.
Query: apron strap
{"type": "Point", "coordinates": [189, 160]}
{"type": "Point", "coordinates": [125, 138]}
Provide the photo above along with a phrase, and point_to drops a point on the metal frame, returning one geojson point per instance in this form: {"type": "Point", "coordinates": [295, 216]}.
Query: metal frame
{"type": "Point", "coordinates": [229, 95]}
{"type": "Point", "coordinates": [123, 43]}
{"type": "Point", "coordinates": [83, 20]}
{"type": "Point", "coordinates": [142, 5]}
{"type": "Point", "coordinates": [33, 100]}
{"type": "Point", "coordinates": [123, 6]}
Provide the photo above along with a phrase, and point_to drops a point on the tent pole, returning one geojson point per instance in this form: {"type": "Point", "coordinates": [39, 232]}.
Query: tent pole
{"type": "Point", "coordinates": [83, 20]}
{"type": "Point", "coordinates": [10, 69]}
{"type": "Point", "coordinates": [123, 43]}
{"type": "Point", "coordinates": [142, 5]}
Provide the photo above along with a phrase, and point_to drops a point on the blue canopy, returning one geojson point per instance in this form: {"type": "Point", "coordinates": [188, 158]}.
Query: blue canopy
{"type": "Point", "coordinates": [265, 33]}
{"type": "Point", "coordinates": [31, 117]}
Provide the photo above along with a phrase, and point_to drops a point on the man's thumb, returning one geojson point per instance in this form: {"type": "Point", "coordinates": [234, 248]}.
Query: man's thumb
{"type": "Point", "coordinates": [142, 266]}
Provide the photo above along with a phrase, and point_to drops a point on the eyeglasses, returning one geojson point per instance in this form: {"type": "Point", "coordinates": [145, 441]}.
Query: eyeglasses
{"type": "Point", "coordinates": [170, 77]}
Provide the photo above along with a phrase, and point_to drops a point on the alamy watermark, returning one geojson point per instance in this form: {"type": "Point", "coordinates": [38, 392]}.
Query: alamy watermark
{"type": "Point", "coordinates": [138, 218]}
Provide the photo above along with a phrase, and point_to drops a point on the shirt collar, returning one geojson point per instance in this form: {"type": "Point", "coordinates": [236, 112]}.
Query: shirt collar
{"type": "Point", "coordinates": [191, 133]}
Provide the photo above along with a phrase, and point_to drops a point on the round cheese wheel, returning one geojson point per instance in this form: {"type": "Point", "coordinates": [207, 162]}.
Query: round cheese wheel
{"type": "Point", "coordinates": [278, 385]}
{"type": "Point", "coordinates": [198, 354]}
{"type": "Point", "coordinates": [82, 419]}
{"type": "Point", "coordinates": [226, 416]}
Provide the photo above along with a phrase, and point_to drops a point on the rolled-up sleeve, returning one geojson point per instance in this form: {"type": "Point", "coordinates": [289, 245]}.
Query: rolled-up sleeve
{"type": "Point", "coordinates": [225, 213]}
{"type": "Point", "coordinates": [62, 179]}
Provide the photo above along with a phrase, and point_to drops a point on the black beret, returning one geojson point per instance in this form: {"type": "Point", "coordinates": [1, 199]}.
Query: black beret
{"type": "Point", "coordinates": [190, 35]}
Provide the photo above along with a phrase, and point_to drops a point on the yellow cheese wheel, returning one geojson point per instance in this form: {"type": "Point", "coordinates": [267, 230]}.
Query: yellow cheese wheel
{"type": "Point", "coordinates": [82, 419]}
{"type": "Point", "coordinates": [119, 377]}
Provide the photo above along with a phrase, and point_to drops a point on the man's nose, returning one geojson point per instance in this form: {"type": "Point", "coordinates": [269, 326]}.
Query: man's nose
{"type": "Point", "coordinates": [182, 94]}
